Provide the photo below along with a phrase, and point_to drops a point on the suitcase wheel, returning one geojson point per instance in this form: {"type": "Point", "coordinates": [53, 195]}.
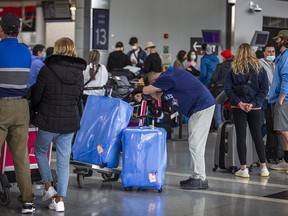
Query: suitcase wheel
{"type": "Point", "coordinates": [160, 190]}
{"type": "Point", "coordinates": [5, 196]}
{"type": "Point", "coordinates": [107, 176]}
{"type": "Point", "coordinates": [80, 178]}
{"type": "Point", "coordinates": [128, 188]}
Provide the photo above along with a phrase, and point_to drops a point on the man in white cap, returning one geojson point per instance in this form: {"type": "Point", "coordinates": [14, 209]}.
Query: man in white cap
{"type": "Point", "coordinates": [15, 62]}
{"type": "Point", "coordinates": [278, 96]}
{"type": "Point", "coordinates": [153, 61]}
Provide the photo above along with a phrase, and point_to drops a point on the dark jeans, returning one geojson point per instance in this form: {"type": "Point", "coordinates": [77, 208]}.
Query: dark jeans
{"type": "Point", "coordinates": [254, 121]}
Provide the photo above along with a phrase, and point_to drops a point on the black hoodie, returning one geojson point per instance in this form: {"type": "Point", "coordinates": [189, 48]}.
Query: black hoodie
{"type": "Point", "coordinates": [216, 83]}
{"type": "Point", "coordinates": [117, 59]}
{"type": "Point", "coordinates": [56, 94]}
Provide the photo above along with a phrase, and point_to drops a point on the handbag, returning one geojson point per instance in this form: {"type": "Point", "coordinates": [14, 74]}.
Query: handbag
{"type": "Point", "coordinates": [242, 90]}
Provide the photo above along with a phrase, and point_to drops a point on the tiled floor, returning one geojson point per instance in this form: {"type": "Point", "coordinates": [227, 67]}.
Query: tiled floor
{"type": "Point", "coordinates": [227, 195]}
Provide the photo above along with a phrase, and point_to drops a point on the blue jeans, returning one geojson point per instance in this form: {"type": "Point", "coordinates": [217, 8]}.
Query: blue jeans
{"type": "Point", "coordinates": [63, 151]}
{"type": "Point", "coordinates": [219, 114]}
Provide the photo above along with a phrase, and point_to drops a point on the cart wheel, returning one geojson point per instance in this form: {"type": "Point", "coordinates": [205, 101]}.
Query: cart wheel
{"type": "Point", "coordinates": [160, 190]}
{"type": "Point", "coordinates": [5, 196]}
{"type": "Point", "coordinates": [80, 178]}
{"type": "Point", "coordinates": [55, 178]}
{"type": "Point", "coordinates": [128, 188]}
{"type": "Point", "coordinates": [107, 176]}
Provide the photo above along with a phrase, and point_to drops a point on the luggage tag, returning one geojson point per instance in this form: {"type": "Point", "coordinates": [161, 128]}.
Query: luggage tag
{"type": "Point", "coordinates": [100, 149]}
{"type": "Point", "coordinates": [152, 177]}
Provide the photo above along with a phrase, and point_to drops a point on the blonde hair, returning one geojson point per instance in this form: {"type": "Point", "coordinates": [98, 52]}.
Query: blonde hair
{"type": "Point", "coordinates": [94, 62]}
{"type": "Point", "coordinates": [245, 59]}
{"type": "Point", "coordinates": [65, 46]}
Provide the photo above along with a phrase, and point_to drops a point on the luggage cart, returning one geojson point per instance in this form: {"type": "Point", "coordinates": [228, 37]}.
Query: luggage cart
{"type": "Point", "coordinates": [7, 170]}
{"type": "Point", "coordinates": [83, 169]}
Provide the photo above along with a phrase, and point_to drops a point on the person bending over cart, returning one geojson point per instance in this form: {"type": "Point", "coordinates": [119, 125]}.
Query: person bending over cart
{"type": "Point", "coordinates": [189, 96]}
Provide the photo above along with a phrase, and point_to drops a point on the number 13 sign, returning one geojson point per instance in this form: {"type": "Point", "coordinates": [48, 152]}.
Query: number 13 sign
{"type": "Point", "coordinates": [100, 29]}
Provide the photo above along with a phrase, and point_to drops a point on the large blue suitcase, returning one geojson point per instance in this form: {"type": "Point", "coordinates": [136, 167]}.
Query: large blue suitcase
{"type": "Point", "coordinates": [144, 157]}
{"type": "Point", "coordinates": [98, 140]}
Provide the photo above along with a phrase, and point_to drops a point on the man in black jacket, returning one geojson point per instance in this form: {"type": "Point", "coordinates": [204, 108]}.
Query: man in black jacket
{"type": "Point", "coordinates": [117, 59]}
{"type": "Point", "coordinates": [216, 84]}
{"type": "Point", "coordinates": [153, 61]}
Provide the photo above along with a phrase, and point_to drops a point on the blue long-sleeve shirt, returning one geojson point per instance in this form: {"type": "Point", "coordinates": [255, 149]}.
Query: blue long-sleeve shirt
{"type": "Point", "coordinates": [280, 79]}
{"type": "Point", "coordinates": [37, 64]}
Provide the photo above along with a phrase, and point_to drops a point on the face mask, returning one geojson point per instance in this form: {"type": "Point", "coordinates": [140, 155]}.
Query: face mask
{"type": "Point", "coordinates": [134, 47]}
{"type": "Point", "coordinates": [44, 56]}
{"type": "Point", "coordinates": [270, 58]}
{"type": "Point", "coordinates": [193, 57]}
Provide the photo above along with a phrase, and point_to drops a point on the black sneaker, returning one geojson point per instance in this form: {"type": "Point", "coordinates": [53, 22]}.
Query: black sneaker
{"type": "Point", "coordinates": [194, 184]}
{"type": "Point", "coordinates": [28, 208]}
{"type": "Point", "coordinates": [186, 181]}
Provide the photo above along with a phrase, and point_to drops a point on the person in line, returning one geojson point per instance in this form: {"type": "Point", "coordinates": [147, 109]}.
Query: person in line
{"type": "Point", "coordinates": [216, 84]}
{"type": "Point", "coordinates": [118, 59]}
{"type": "Point", "coordinates": [153, 61]}
{"type": "Point", "coordinates": [49, 51]}
{"type": "Point", "coordinates": [278, 96]}
{"type": "Point", "coordinates": [95, 75]}
{"type": "Point", "coordinates": [273, 146]}
{"type": "Point", "coordinates": [190, 97]}
{"type": "Point", "coordinates": [209, 62]}
{"type": "Point", "coordinates": [137, 55]}
{"type": "Point", "coordinates": [180, 58]}
{"type": "Point", "coordinates": [246, 106]}
{"type": "Point", "coordinates": [192, 64]}
{"type": "Point", "coordinates": [15, 62]}
{"type": "Point", "coordinates": [55, 98]}
{"type": "Point", "coordinates": [38, 56]}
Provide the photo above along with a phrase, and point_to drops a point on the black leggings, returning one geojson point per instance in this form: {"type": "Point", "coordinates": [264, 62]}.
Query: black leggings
{"type": "Point", "coordinates": [254, 121]}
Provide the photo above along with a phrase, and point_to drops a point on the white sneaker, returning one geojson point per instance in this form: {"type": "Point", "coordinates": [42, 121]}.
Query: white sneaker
{"type": "Point", "coordinates": [58, 207]}
{"type": "Point", "coordinates": [243, 173]}
{"type": "Point", "coordinates": [50, 193]}
{"type": "Point", "coordinates": [264, 172]}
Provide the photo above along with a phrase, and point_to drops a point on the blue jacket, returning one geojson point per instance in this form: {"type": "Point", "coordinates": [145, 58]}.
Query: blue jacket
{"type": "Point", "coordinates": [15, 62]}
{"type": "Point", "coordinates": [208, 65]}
{"type": "Point", "coordinates": [257, 89]}
{"type": "Point", "coordinates": [37, 64]}
{"type": "Point", "coordinates": [280, 79]}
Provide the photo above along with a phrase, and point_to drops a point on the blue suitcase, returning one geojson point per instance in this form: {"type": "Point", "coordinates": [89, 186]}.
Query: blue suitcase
{"type": "Point", "coordinates": [98, 140]}
{"type": "Point", "coordinates": [144, 157]}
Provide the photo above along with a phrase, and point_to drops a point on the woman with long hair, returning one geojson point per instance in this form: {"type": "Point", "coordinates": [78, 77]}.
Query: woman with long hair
{"type": "Point", "coordinates": [180, 58]}
{"type": "Point", "coordinates": [95, 75]}
{"type": "Point", "coordinates": [246, 86]}
{"type": "Point", "coordinates": [55, 99]}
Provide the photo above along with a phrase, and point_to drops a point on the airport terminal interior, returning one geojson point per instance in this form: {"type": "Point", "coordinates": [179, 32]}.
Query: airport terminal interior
{"type": "Point", "coordinates": [227, 194]}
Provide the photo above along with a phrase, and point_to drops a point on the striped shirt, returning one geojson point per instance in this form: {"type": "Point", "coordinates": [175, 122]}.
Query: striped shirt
{"type": "Point", "coordinates": [15, 62]}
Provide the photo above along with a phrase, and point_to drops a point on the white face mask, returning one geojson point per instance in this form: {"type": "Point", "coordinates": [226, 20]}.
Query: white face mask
{"type": "Point", "coordinates": [193, 57]}
{"type": "Point", "coordinates": [270, 58]}
{"type": "Point", "coordinates": [134, 47]}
